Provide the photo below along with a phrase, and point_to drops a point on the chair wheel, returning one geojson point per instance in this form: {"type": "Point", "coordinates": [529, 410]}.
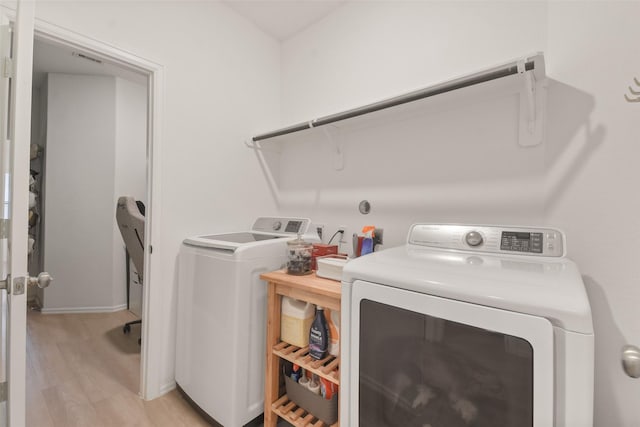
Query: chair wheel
{"type": "Point", "coordinates": [126, 329]}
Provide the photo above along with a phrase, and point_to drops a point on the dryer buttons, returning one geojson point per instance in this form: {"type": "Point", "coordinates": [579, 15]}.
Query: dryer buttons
{"type": "Point", "coordinates": [277, 225]}
{"type": "Point", "coordinates": [473, 238]}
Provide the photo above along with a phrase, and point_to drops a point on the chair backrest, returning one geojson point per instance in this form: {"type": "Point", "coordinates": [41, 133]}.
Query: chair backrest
{"type": "Point", "coordinates": [131, 224]}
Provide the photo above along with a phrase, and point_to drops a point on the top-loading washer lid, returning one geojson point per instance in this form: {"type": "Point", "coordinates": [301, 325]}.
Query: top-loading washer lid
{"type": "Point", "coordinates": [265, 231]}
{"type": "Point", "coordinates": [235, 241]}
{"type": "Point", "coordinates": [242, 237]}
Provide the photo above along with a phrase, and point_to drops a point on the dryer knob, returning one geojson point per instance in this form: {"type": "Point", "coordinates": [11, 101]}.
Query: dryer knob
{"type": "Point", "coordinates": [277, 225]}
{"type": "Point", "coordinates": [473, 238]}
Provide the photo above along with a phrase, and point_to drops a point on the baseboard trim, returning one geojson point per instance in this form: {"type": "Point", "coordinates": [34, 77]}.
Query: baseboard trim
{"type": "Point", "coordinates": [80, 310]}
{"type": "Point", "coordinates": [166, 388]}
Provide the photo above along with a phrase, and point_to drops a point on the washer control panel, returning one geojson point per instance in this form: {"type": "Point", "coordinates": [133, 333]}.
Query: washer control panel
{"type": "Point", "coordinates": [492, 239]}
{"type": "Point", "coordinates": [291, 226]}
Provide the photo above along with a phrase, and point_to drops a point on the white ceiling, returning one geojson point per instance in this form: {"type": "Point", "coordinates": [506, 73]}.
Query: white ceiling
{"type": "Point", "coordinates": [55, 58]}
{"type": "Point", "coordinates": [284, 18]}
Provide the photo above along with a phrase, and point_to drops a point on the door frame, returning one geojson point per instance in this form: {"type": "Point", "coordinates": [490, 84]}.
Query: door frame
{"type": "Point", "coordinates": [152, 338]}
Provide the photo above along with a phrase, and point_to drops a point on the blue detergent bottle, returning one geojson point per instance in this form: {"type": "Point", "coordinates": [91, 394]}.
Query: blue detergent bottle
{"type": "Point", "coordinates": [319, 336]}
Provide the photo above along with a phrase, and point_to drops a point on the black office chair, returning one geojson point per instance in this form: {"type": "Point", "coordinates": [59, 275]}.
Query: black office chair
{"type": "Point", "coordinates": [130, 219]}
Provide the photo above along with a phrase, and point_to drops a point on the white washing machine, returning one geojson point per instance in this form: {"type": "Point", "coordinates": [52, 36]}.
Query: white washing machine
{"type": "Point", "coordinates": [467, 325]}
{"type": "Point", "coordinates": [221, 322]}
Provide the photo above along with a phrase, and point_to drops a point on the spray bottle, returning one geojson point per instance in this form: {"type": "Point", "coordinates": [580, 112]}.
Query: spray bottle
{"type": "Point", "coordinates": [367, 242]}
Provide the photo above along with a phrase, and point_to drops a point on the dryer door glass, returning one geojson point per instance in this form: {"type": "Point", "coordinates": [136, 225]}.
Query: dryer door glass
{"type": "Point", "coordinates": [419, 360]}
{"type": "Point", "coordinates": [420, 370]}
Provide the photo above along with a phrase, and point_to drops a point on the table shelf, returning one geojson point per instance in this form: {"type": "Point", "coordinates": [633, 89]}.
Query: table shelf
{"type": "Point", "coordinates": [318, 291]}
{"type": "Point", "coordinates": [293, 414]}
{"type": "Point", "coordinates": [328, 368]}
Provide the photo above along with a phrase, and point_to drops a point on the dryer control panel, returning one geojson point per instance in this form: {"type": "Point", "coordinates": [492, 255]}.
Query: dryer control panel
{"type": "Point", "coordinates": [490, 239]}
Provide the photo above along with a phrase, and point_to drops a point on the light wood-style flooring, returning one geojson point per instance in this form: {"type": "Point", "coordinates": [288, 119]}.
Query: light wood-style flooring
{"type": "Point", "coordinates": [83, 371]}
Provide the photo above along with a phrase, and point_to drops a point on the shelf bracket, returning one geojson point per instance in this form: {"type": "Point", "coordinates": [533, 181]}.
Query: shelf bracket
{"type": "Point", "coordinates": [532, 97]}
{"type": "Point", "coordinates": [250, 143]}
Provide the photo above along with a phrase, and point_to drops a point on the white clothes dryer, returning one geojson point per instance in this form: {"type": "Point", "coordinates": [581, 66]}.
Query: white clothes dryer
{"type": "Point", "coordinates": [221, 319]}
{"type": "Point", "coordinates": [467, 325]}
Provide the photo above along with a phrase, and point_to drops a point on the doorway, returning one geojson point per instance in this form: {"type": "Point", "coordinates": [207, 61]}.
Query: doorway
{"type": "Point", "coordinates": [151, 73]}
{"type": "Point", "coordinates": [88, 149]}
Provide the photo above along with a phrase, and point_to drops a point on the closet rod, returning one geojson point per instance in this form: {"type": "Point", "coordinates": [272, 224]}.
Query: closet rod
{"type": "Point", "coordinates": [459, 83]}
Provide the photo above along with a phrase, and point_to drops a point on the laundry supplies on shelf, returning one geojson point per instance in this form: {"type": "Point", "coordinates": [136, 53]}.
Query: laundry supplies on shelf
{"type": "Point", "coordinates": [296, 403]}
{"type": "Point", "coordinates": [319, 336]}
{"type": "Point", "coordinates": [333, 324]}
{"type": "Point", "coordinates": [296, 321]}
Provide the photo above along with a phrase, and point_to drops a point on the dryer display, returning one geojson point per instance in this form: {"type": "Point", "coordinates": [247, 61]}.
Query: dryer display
{"type": "Point", "coordinates": [521, 242]}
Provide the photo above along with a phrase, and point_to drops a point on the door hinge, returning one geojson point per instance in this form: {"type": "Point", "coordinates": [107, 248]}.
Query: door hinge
{"type": "Point", "coordinates": [4, 284]}
{"type": "Point", "coordinates": [4, 391]}
{"type": "Point", "coordinates": [7, 67]}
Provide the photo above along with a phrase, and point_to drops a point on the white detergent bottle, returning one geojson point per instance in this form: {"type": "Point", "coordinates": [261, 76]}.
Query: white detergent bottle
{"type": "Point", "coordinates": [295, 321]}
{"type": "Point", "coordinates": [333, 324]}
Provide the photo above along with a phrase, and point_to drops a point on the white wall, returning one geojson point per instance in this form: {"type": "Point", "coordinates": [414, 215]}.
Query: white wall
{"type": "Point", "coordinates": [130, 168]}
{"type": "Point", "coordinates": [82, 135]}
{"type": "Point", "coordinates": [458, 161]}
{"type": "Point", "coordinates": [131, 140]}
{"type": "Point", "coordinates": [80, 168]}
{"type": "Point", "coordinates": [582, 178]}
{"type": "Point", "coordinates": [593, 176]}
{"type": "Point", "coordinates": [221, 85]}
{"type": "Point", "coordinates": [367, 51]}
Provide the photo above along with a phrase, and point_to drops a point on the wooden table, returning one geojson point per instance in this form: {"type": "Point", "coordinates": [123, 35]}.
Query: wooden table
{"type": "Point", "coordinates": [316, 290]}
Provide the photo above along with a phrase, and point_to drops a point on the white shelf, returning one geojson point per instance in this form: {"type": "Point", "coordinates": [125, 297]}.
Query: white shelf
{"type": "Point", "coordinates": [530, 67]}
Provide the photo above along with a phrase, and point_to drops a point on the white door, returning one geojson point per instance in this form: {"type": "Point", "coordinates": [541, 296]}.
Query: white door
{"type": "Point", "coordinates": [416, 359]}
{"type": "Point", "coordinates": [16, 50]}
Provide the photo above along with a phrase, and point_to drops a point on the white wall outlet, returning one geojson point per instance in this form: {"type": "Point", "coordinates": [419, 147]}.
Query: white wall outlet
{"type": "Point", "coordinates": [343, 235]}
{"type": "Point", "coordinates": [377, 236]}
{"type": "Point", "coordinates": [320, 230]}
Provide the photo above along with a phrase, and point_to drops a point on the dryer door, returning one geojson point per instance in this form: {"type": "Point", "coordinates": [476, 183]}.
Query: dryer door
{"type": "Point", "coordinates": [419, 360]}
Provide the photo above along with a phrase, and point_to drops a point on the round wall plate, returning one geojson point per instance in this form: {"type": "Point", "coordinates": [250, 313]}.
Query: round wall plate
{"type": "Point", "coordinates": [364, 207]}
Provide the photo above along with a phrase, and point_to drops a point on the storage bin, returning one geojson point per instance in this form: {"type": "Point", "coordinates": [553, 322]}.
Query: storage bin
{"type": "Point", "coordinates": [323, 409]}
{"type": "Point", "coordinates": [331, 266]}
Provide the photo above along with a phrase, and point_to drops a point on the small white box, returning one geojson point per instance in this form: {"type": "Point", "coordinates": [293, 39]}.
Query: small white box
{"type": "Point", "coordinates": [330, 267]}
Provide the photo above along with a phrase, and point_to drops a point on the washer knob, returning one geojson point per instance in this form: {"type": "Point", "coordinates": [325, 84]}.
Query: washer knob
{"type": "Point", "coordinates": [473, 238]}
{"type": "Point", "coordinates": [277, 225]}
